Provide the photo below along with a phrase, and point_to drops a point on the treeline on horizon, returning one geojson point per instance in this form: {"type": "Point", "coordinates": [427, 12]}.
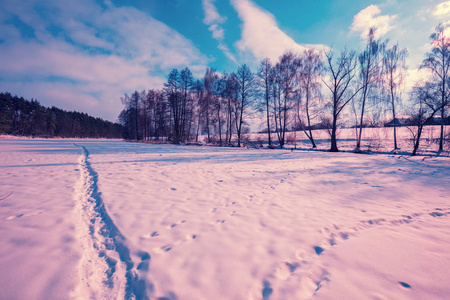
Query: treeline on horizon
{"type": "Point", "coordinates": [301, 91]}
{"type": "Point", "coordinates": [21, 117]}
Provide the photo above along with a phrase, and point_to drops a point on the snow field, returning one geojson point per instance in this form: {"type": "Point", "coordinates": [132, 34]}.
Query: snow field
{"type": "Point", "coordinates": [39, 251]}
{"type": "Point", "coordinates": [174, 222]}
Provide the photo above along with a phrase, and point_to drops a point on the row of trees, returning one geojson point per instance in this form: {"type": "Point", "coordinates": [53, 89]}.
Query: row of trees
{"type": "Point", "coordinates": [185, 108]}
{"type": "Point", "coordinates": [301, 90]}
{"type": "Point", "coordinates": [29, 118]}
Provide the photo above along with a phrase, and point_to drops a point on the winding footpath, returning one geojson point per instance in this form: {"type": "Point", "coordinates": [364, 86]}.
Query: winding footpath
{"type": "Point", "coordinates": [106, 269]}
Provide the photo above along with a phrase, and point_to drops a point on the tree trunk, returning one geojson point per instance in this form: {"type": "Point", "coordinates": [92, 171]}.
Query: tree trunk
{"type": "Point", "coordinates": [334, 147]}
{"type": "Point", "coordinates": [198, 127]}
{"type": "Point", "coordinates": [393, 116]}
{"type": "Point", "coordinates": [310, 136]}
{"type": "Point", "coordinates": [268, 122]}
{"type": "Point", "coordinates": [416, 142]}
{"type": "Point", "coordinates": [240, 127]}
{"type": "Point", "coordinates": [441, 138]}
{"type": "Point", "coordinates": [207, 125]}
{"type": "Point", "coordinates": [358, 142]}
{"type": "Point", "coordinates": [283, 136]}
{"type": "Point", "coordinates": [220, 126]}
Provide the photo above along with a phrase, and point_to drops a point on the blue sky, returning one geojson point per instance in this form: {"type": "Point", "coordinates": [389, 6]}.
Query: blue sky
{"type": "Point", "coordinates": [83, 55]}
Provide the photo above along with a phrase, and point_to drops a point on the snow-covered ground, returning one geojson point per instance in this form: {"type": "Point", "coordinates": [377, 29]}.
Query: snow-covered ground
{"type": "Point", "coordinates": [377, 140]}
{"type": "Point", "coordinates": [106, 219]}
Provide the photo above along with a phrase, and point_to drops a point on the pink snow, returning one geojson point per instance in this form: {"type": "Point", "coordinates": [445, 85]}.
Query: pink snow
{"type": "Point", "coordinates": [187, 222]}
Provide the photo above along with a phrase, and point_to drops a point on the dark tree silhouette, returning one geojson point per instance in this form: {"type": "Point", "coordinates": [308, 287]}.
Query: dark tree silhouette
{"type": "Point", "coordinates": [29, 118]}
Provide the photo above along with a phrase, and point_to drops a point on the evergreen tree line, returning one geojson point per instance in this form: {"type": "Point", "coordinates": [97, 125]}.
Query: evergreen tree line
{"type": "Point", "coordinates": [29, 118]}
{"type": "Point", "coordinates": [301, 91]}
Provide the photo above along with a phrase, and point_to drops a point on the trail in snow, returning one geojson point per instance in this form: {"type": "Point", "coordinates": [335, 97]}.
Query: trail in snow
{"type": "Point", "coordinates": [107, 270]}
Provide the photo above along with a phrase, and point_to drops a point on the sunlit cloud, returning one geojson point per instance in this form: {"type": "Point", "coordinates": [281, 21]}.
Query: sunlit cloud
{"type": "Point", "coordinates": [371, 17]}
{"type": "Point", "coordinates": [442, 10]}
{"type": "Point", "coordinates": [260, 33]}
{"type": "Point", "coordinates": [85, 55]}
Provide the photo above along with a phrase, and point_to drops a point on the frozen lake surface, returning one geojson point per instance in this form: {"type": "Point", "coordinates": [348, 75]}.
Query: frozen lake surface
{"type": "Point", "coordinates": [109, 219]}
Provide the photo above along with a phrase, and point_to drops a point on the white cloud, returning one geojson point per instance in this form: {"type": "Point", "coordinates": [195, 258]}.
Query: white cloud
{"type": "Point", "coordinates": [227, 52]}
{"type": "Point", "coordinates": [218, 32]}
{"type": "Point", "coordinates": [442, 10]}
{"type": "Point", "coordinates": [85, 56]}
{"type": "Point", "coordinates": [261, 35]}
{"type": "Point", "coordinates": [212, 16]}
{"type": "Point", "coordinates": [370, 17]}
{"type": "Point", "coordinates": [214, 21]}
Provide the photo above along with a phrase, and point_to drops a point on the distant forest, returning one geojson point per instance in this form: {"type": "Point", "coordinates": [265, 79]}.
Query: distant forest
{"type": "Point", "coordinates": [21, 117]}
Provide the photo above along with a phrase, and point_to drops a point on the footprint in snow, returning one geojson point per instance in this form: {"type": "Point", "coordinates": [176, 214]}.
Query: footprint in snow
{"type": "Point", "coordinates": [162, 249]}
{"type": "Point", "coordinates": [308, 255]}
{"type": "Point", "coordinates": [170, 226]}
{"type": "Point", "coordinates": [168, 247]}
{"type": "Point", "coordinates": [145, 261]}
{"type": "Point", "coordinates": [404, 284]}
{"type": "Point", "coordinates": [150, 235]}
{"type": "Point", "coordinates": [439, 213]}
{"type": "Point", "coordinates": [286, 269]}
{"type": "Point", "coordinates": [267, 290]}
{"type": "Point", "coordinates": [301, 254]}
{"type": "Point", "coordinates": [319, 250]}
{"type": "Point", "coordinates": [156, 233]}
{"type": "Point", "coordinates": [23, 215]}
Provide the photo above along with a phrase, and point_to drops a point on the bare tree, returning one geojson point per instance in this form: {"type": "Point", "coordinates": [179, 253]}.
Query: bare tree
{"type": "Point", "coordinates": [209, 82]}
{"type": "Point", "coordinates": [426, 104]}
{"type": "Point", "coordinates": [342, 74]}
{"type": "Point", "coordinates": [438, 63]}
{"type": "Point", "coordinates": [284, 84]}
{"type": "Point", "coordinates": [199, 92]}
{"type": "Point", "coordinates": [218, 104]}
{"type": "Point", "coordinates": [246, 80]}
{"type": "Point", "coordinates": [172, 93]}
{"type": "Point", "coordinates": [310, 85]}
{"type": "Point", "coordinates": [186, 86]}
{"type": "Point", "coordinates": [370, 63]}
{"type": "Point", "coordinates": [230, 95]}
{"type": "Point", "coordinates": [264, 73]}
{"type": "Point", "coordinates": [393, 71]}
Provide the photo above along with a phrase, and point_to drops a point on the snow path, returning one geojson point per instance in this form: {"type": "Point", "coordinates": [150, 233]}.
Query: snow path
{"type": "Point", "coordinates": [106, 267]}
